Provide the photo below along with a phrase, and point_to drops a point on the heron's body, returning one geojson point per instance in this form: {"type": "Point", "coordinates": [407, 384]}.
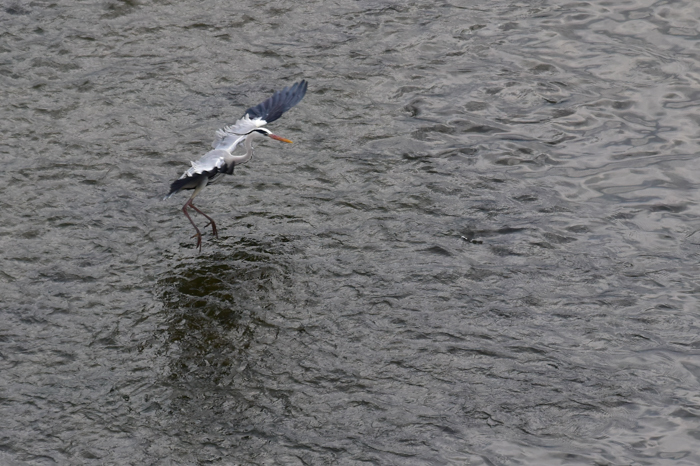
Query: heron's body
{"type": "Point", "coordinates": [218, 162]}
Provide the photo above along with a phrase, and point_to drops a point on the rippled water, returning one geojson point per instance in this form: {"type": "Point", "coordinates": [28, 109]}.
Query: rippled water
{"type": "Point", "coordinates": [482, 248]}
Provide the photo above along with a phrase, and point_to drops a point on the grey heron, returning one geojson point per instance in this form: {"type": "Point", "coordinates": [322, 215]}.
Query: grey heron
{"type": "Point", "coordinates": [221, 161]}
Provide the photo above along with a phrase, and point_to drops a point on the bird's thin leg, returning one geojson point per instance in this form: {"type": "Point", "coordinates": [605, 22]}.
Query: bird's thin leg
{"type": "Point", "coordinates": [198, 234]}
{"type": "Point", "coordinates": [211, 220]}
{"type": "Point", "coordinates": [202, 183]}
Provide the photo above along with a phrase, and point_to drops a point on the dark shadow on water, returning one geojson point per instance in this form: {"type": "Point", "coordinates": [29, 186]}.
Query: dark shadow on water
{"type": "Point", "coordinates": [227, 340]}
{"type": "Point", "coordinates": [216, 305]}
{"type": "Point", "coordinates": [219, 338]}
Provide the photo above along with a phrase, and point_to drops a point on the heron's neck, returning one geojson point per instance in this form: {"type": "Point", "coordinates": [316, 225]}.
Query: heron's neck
{"type": "Point", "coordinates": [239, 159]}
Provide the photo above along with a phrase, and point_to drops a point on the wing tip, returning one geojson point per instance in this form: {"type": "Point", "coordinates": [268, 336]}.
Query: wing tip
{"type": "Point", "coordinates": [303, 84]}
{"type": "Point", "coordinates": [280, 102]}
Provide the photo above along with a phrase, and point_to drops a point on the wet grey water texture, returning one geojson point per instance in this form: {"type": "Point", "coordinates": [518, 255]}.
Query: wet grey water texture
{"type": "Point", "coordinates": [481, 249]}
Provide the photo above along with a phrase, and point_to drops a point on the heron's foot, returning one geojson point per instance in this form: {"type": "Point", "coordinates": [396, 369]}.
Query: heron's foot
{"type": "Point", "coordinates": [213, 228]}
{"type": "Point", "coordinates": [198, 235]}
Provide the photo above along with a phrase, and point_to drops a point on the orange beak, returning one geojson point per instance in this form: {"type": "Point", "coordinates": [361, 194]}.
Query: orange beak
{"type": "Point", "coordinates": [274, 136]}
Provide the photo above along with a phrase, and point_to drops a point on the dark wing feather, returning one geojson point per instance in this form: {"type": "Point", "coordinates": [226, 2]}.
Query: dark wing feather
{"type": "Point", "coordinates": [182, 183]}
{"type": "Point", "coordinates": [191, 182]}
{"type": "Point", "coordinates": [280, 102]}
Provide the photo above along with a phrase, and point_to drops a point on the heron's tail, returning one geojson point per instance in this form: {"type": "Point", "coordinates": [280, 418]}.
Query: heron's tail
{"type": "Point", "coordinates": [177, 186]}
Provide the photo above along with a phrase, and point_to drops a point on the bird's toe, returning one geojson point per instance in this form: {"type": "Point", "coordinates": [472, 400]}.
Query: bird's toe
{"type": "Point", "coordinates": [213, 229]}
{"type": "Point", "coordinates": [198, 235]}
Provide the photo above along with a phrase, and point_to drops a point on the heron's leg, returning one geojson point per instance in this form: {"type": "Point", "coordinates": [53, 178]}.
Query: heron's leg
{"type": "Point", "coordinates": [211, 220]}
{"type": "Point", "coordinates": [202, 183]}
{"type": "Point", "coordinates": [198, 234]}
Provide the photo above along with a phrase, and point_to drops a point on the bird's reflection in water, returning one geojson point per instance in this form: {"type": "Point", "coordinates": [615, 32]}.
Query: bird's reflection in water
{"type": "Point", "coordinates": [217, 306]}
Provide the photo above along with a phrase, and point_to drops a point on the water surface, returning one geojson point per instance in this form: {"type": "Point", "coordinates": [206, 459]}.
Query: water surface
{"type": "Point", "coordinates": [481, 249]}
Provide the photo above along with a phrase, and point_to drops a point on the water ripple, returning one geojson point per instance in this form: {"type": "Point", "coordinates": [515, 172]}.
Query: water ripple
{"type": "Point", "coordinates": [481, 249]}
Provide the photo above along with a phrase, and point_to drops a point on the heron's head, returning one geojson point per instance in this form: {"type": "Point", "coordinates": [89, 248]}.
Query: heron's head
{"type": "Point", "coordinates": [268, 133]}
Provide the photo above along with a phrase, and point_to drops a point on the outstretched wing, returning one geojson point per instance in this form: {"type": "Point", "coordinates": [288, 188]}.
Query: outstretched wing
{"type": "Point", "coordinates": [266, 112]}
{"type": "Point", "coordinates": [228, 137]}
{"type": "Point", "coordinates": [212, 165]}
{"type": "Point", "coordinates": [211, 161]}
{"type": "Point", "coordinates": [280, 102]}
